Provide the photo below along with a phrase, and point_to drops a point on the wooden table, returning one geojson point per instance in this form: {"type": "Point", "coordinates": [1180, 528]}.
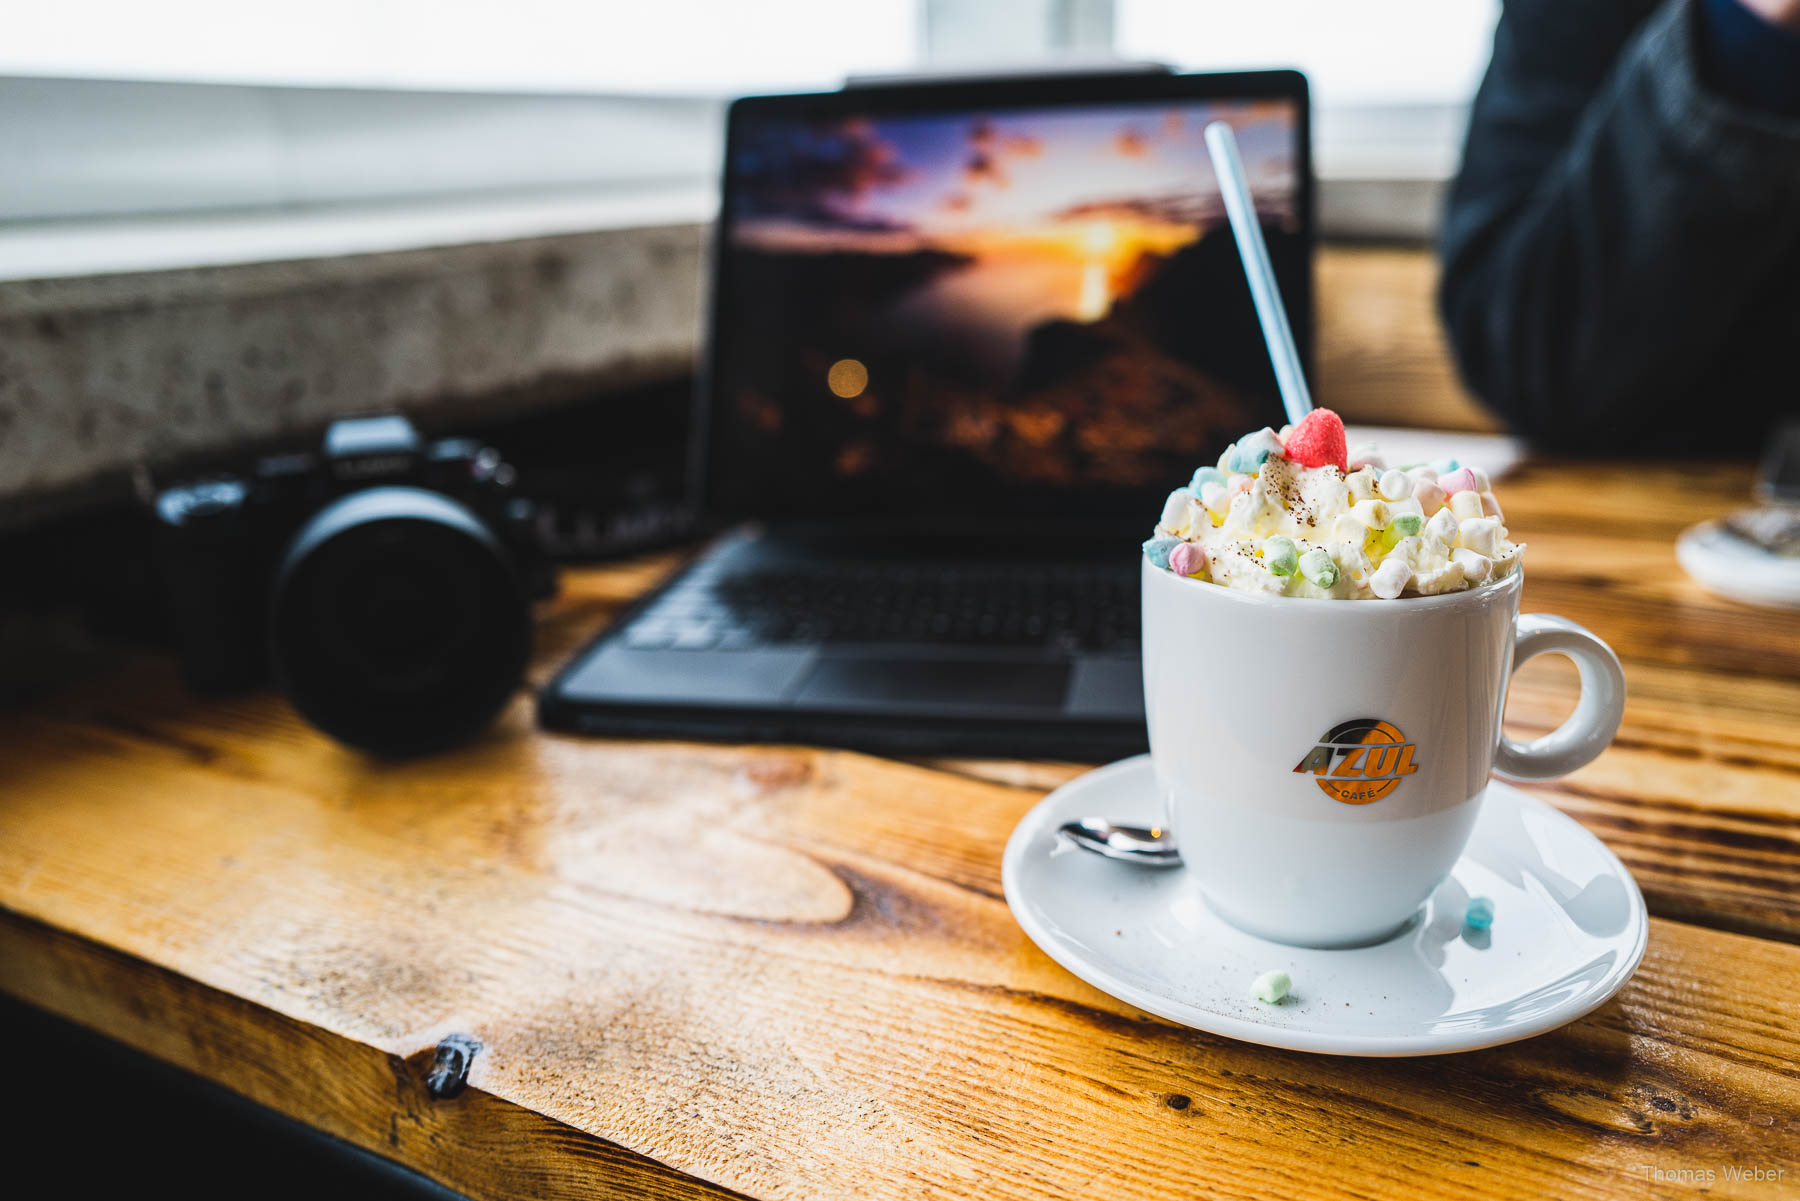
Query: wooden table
{"type": "Point", "coordinates": [788, 972]}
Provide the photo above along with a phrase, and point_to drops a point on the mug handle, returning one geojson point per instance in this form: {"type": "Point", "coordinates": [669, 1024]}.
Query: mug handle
{"type": "Point", "coordinates": [1580, 739]}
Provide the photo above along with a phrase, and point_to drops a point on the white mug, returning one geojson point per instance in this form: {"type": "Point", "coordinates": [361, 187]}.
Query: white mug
{"type": "Point", "coordinates": [1322, 761]}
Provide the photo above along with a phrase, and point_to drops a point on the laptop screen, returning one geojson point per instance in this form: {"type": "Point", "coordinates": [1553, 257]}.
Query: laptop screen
{"type": "Point", "coordinates": [1000, 300]}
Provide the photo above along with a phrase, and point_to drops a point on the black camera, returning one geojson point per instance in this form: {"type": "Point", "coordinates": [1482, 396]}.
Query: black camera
{"type": "Point", "coordinates": [385, 582]}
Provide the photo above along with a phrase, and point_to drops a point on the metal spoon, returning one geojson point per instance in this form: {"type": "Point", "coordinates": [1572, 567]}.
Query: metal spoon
{"type": "Point", "coordinates": [1145, 846]}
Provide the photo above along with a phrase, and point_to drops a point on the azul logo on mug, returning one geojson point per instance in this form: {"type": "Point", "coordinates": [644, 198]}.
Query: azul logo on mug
{"type": "Point", "coordinates": [1360, 760]}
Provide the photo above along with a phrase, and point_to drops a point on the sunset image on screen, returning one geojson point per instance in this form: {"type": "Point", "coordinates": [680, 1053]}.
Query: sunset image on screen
{"type": "Point", "coordinates": [1050, 294]}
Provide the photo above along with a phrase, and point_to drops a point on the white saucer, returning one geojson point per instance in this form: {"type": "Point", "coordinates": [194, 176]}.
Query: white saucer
{"type": "Point", "coordinates": [1569, 929]}
{"type": "Point", "coordinates": [1728, 566]}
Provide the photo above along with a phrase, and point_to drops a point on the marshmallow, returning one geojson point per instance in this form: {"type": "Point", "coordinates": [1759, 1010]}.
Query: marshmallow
{"type": "Point", "coordinates": [1316, 567]}
{"type": "Point", "coordinates": [1187, 559]}
{"type": "Point", "coordinates": [1271, 986]}
{"type": "Point", "coordinates": [1204, 476]}
{"type": "Point", "coordinates": [1280, 555]}
{"type": "Point", "coordinates": [1461, 480]}
{"type": "Point", "coordinates": [1247, 453]}
{"type": "Point", "coordinates": [1475, 567]}
{"type": "Point", "coordinates": [1157, 549]}
{"type": "Point", "coordinates": [1407, 550]}
{"type": "Point", "coordinates": [1346, 528]}
{"type": "Point", "coordinates": [1430, 497]}
{"type": "Point", "coordinates": [1366, 454]}
{"type": "Point", "coordinates": [1390, 579]}
{"type": "Point", "coordinates": [1446, 578]}
{"type": "Point", "coordinates": [1443, 526]}
{"type": "Point", "coordinates": [1481, 535]}
{"type": "Point", "coordinates": [1394, 485]}
{"type": "Point", "coordinates": [1178, 511]}
{"type": "Point", "coordinates": [1263, 439]}
{"type": "Point", "coordinates": [1465, 505]}
{"type": "Point", "coordinates": [1372, 513]}
{"type": "Point", "coordinates": [1479, 914]}
{"type": "Point", "coordinates": [1317, 440]}
{"type": "Point", "coordinates": [1215, 497]}
{"type": "Point", "coordinates": [1268, 513]}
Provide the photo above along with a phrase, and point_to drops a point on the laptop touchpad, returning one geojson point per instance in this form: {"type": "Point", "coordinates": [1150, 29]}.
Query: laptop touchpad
{"type": "Point", "coordinates": [934, 686]}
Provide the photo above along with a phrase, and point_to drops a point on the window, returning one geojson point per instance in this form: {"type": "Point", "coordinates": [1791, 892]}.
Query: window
{"type": "Point", "coordinates": [1373, 52]}
{"type": "Point", "coordinates": [120, 110]}
{"type": "Point", "coordinates": [660, 47]}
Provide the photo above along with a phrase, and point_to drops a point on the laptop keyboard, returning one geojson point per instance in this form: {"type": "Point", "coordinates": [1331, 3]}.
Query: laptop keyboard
{"type": "Point", "coordinates": [1070, 607]}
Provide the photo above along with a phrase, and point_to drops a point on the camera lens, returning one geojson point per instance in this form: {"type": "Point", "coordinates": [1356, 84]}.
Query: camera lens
{"type": "Point", "coordinates": [397, 622]}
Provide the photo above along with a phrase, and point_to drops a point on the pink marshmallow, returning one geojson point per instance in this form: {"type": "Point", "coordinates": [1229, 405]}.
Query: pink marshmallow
{"type": "Point", "coordinates": [1460, 480]}
{"type": "Point", "coordinates": [1187, 559]}
{"type": "Point", "coordinates": [1429, 495]}
{"type": "Point", "coordinates": [1490, 506]}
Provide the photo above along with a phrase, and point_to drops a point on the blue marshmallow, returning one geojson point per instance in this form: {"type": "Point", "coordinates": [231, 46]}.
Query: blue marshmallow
{"type": "Point", "coordinates": [1480, 914]}
{"type": "Point", "coordinates": [1248, 453]}
{"type": "Point", "coordinates": [1205, 476]}
{"type": "Point", "coordinates": [1246, 461]}
{"type": "Point", "coordinates": [1158, 550]}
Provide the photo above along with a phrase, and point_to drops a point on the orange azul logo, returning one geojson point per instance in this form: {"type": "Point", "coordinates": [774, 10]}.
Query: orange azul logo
{"type": "Point", "coordinates": [1360, 760]}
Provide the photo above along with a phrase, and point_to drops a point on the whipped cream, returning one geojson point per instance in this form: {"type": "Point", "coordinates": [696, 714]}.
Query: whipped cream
{"type": "Point", "coordinates": [1351, 530]}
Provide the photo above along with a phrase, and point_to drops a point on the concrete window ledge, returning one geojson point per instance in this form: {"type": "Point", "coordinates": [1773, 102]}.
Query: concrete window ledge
{"type": "Point", "coordinates": [153, 365]}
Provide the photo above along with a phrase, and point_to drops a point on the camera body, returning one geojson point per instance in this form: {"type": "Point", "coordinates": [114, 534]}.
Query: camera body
{"type": "Point", "coordinates": [383, 580]}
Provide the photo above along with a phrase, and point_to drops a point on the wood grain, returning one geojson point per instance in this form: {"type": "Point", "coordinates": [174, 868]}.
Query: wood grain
{"type": "Point", "coordinates": [790, 973]}
{"type": "Point", "coordinates": [1381, 356]}
{"type": "Point", "coordinates": [787, 972]}
{"type": "Point", "coordinates": [376, 1100]}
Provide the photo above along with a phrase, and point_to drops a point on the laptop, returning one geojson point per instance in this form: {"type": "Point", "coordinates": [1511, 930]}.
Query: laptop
{"type": "Point", "coordinates": [965, 337]}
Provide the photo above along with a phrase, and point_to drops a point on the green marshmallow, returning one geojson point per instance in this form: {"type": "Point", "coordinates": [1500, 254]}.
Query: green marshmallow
{"type": "Point", "coordinates": [1271, 987]}
{"type": "Point", "coordinates": [1280, 555]}
{"type": "Point", "coordinates": [1407, 524]}
{"type": "Point", "coordinates": [1317, 568]}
